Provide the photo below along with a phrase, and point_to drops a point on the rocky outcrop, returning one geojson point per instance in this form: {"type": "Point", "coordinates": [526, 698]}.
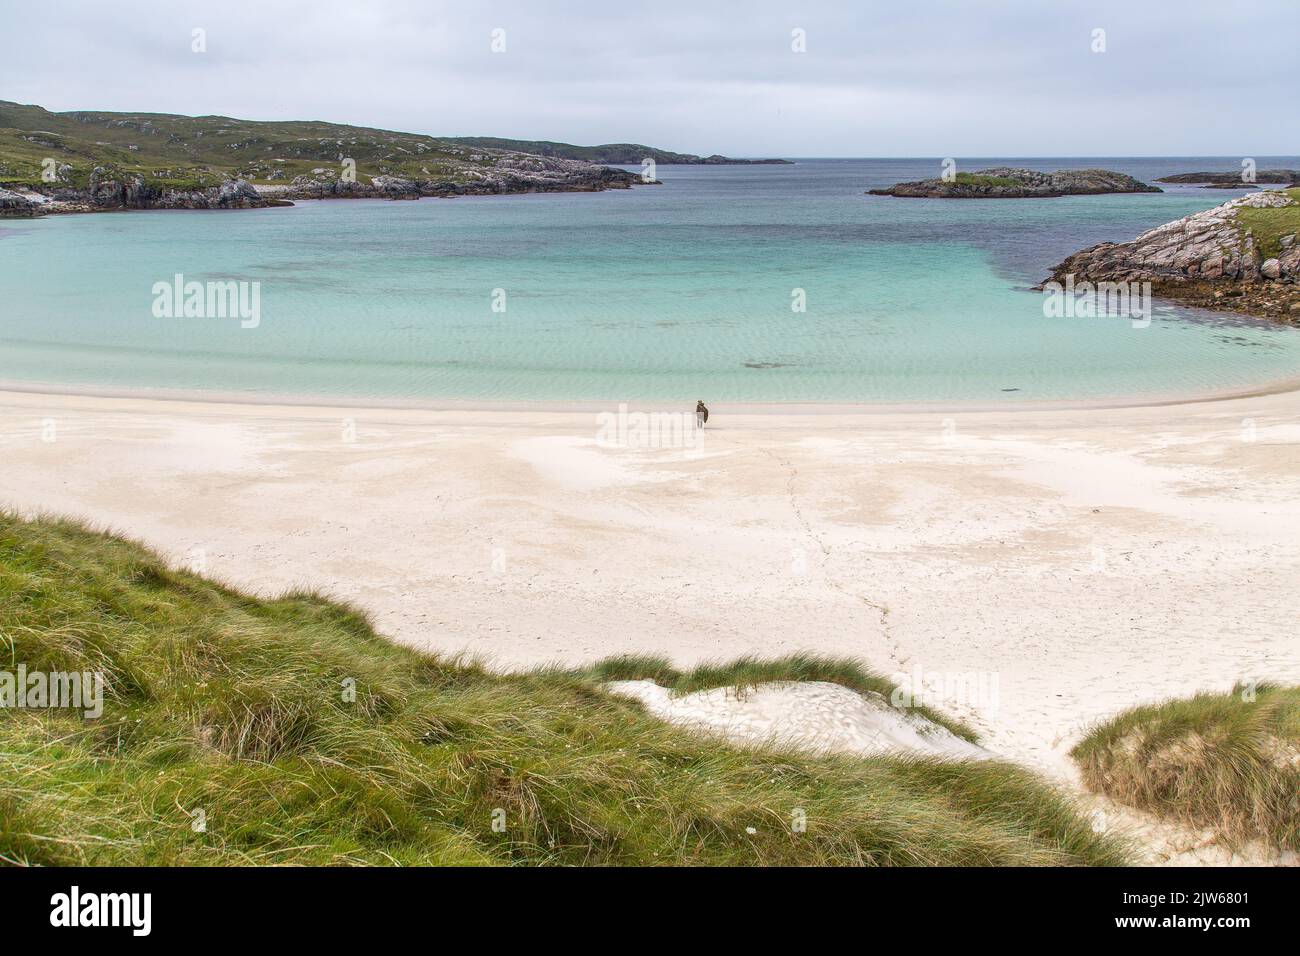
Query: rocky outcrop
{"type": "Point", "coordinates": [310, 187]}
{"type": "Point", "coordinates": [238, 194]}
{"type": "Point", "coordinates": [1004, 182]}
{"type": "Point", "coordinates": [395, 187]}
{"type": "Point", "coordinates": [524, 172]}
{"type": "Point", "coordinates": [107, 190]}
{"type": "Point", "coordinates": [514, 173]}
{"type": "Point", "coordinates": [12, 204]}
{"type": "Point", "coordinates": [1210, 258]}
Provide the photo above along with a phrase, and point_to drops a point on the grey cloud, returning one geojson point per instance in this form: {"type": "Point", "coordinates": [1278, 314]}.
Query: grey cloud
{"type": "Point", "coordinates": [944, 77]}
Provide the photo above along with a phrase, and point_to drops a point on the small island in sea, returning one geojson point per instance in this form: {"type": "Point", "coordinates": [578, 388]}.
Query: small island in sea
{"type": "Point", "coordinates": [1005, 182]}
{"type": "Point", "coordinates": [1241, 256]}
{"type": "Point", "coordinates": [1284, 177]}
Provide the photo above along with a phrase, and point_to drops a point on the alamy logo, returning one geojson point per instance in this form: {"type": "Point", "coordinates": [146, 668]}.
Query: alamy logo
{"type": "Point", "coordinates": [937, 688]}
{"type": "Point", "coordinates": [1087, 300]}
{"type": "Point", "coordinates": [627, 429]}
{"type": "Point", "coordinates": [227, 299]}
{"type": "Point", "coordinates": [103, 909]}
{"type": "Point", "coordinates": [81, 690]}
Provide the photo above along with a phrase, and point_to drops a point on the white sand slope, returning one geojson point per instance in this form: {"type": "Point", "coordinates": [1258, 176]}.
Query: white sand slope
{"type": "Point", "coordinates": [811, 715]}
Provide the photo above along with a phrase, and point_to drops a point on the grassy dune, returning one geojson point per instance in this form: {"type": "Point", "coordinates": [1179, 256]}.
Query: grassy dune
{"type": "Point", "coordinates": [304, 738]}
{"type": "Point", "coordinates": [1226, 761]}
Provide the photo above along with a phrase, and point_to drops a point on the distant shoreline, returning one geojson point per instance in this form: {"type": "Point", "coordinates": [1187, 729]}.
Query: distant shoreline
{"type": "Point", "coordinates": [561, 406]}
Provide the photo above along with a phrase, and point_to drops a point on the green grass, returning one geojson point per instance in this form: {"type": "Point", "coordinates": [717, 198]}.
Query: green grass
{"type": "Point", "coordinates": [1223, 761]}
{"type": "Point", "coordinates": [238, 707]}
{"type": "Point", "coordinates": [976, 179]}
{"type": "Point", "coordinates": [1269, 225]}
{"type": "Point", "coordinates": [210, 149]}
{"type": "Point", "coordinates": [162, 147]}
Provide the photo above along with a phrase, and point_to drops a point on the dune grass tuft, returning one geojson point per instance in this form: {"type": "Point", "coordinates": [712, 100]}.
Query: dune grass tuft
{"type": "Point", "coordinates": [238, 730]}
{"type": "Point", "coordinates": [1230, 762]}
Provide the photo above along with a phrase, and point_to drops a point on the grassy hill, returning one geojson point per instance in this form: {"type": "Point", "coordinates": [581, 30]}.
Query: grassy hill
{"type": "Point", "coordinates": [295, 735]}
{"type": "Point", "coordinates": [619, 154]}
{"type": "Point", "coordinates": [187, 152]}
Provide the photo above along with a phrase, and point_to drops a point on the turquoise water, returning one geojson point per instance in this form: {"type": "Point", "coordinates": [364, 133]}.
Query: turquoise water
{"type": "Point", "coordinates": [666, 292]}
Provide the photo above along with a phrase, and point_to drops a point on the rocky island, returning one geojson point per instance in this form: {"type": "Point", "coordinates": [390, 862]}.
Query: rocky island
{"type": "Point", "coordinates": [87, 162]}
{"type": "Point", "coordinates": [1283, 177]}
{"type": "Point", "coordinates": [1004, 182]}
{"type": "Point", "coordinates": [1241, 256]}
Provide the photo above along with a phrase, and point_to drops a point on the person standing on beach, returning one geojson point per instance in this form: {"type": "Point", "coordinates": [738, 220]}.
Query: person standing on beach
{"type": "Point", "coordinates": [701, 414]}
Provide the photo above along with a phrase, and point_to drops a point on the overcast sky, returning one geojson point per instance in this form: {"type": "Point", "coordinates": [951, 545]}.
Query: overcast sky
{"type": "Point", "coordinates": [919, 78]}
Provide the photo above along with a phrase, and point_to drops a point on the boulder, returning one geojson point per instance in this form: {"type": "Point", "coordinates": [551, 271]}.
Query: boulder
{"type": "Point", "coordinates": [395, 187]}
{"type": "Point", "coordinates": [237, 194]}
{"type": "Point", "coordinates": [12, 204]}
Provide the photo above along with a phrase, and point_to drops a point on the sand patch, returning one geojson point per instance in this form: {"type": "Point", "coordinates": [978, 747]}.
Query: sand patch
{"type": "Point", "coordinates": [808, 715]}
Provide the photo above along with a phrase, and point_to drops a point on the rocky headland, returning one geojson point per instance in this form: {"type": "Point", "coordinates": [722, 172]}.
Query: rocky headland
{"type": "Point", "coordinates": [618, 154]}
{"type": "Point", "coordinates": [515, 173]}
{"type": "Point", "coordinates": [1004, 182]}
{"type": "Point", "coordinates": [95, 161]}
{"type": "Point", "coordinates": [113, 189]}
{"type": "Point", "coordinates": [1241, 256]}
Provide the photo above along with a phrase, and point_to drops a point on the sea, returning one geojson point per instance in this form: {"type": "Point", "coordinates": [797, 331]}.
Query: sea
{"type": "Point", "coordinates": [762, 283]}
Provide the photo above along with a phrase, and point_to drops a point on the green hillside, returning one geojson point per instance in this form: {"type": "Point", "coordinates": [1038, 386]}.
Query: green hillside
{"type": "Point", "coordinates": [205, 150]}
{"type": "Point", "coordinates": [618, 154]}
{"type": "Point", "coordinates": [188, 152]}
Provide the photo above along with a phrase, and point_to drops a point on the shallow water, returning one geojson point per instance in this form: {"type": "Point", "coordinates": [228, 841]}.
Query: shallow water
{"type": "Point", "coordinates": [663, 292]}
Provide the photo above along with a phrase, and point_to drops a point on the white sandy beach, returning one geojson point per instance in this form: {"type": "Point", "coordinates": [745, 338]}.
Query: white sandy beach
{"type": "Point", "coordinates": [1078, 560]}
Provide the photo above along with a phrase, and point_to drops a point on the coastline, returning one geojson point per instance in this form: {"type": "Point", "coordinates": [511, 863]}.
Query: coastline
{"type": "Point", "coordinates": [592, 406]}
{"type": "Point", "coordinates": [279, 197]}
